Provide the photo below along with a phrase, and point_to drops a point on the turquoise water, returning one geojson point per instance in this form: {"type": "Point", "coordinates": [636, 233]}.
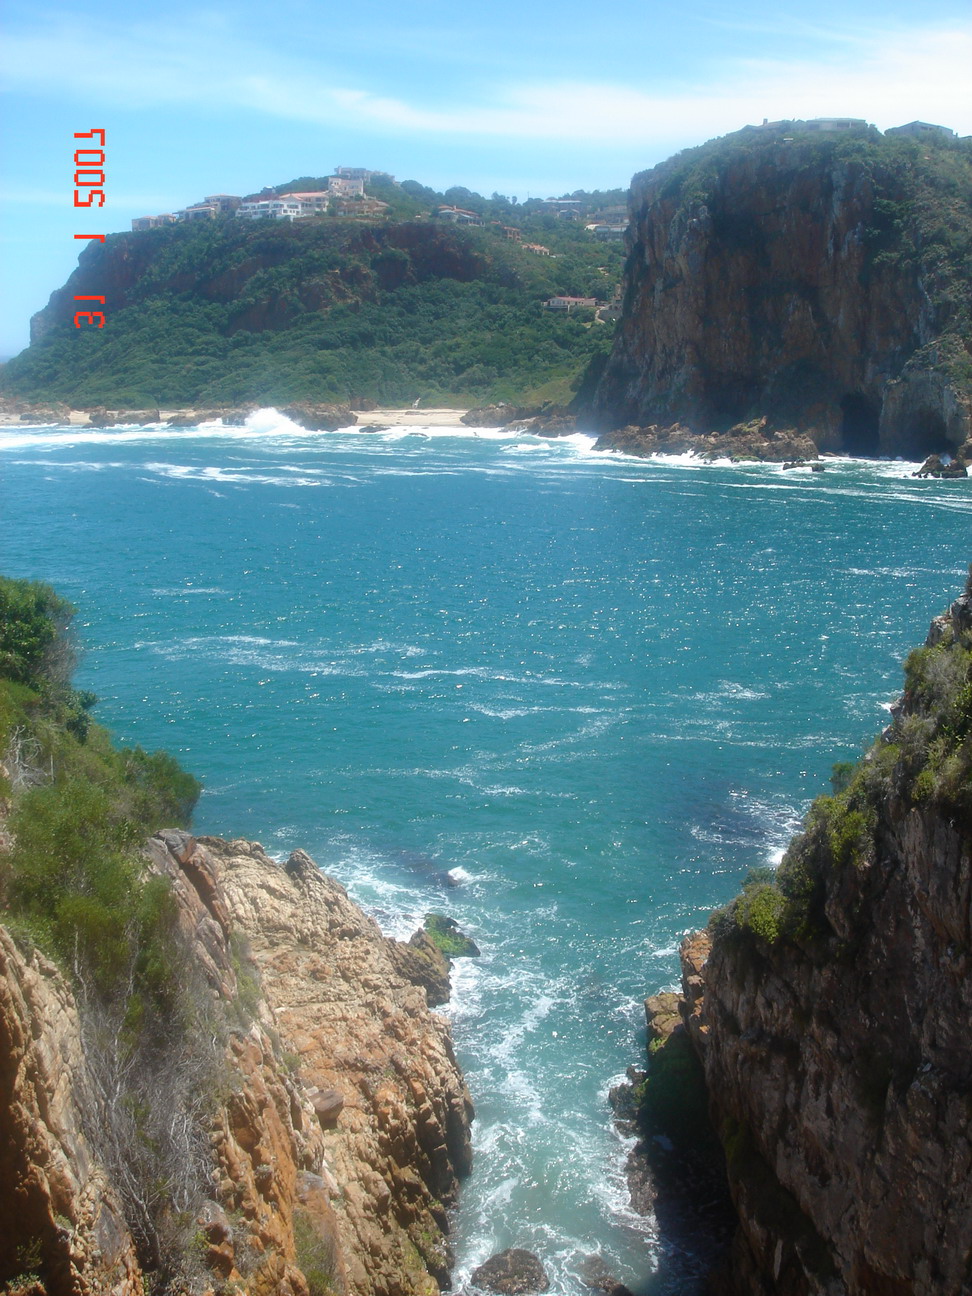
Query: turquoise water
{"type": "Point", "coordinates": [567, 698]}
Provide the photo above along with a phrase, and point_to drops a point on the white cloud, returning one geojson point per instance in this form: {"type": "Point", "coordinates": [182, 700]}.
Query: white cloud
{"type": "Point", "coordinates": [888, 78]}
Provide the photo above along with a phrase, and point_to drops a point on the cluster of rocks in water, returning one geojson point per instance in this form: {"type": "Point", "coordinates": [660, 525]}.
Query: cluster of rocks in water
{"type": "Point", "coordinates": [542, 420]}
{"type": "Point", "coordinates": [753, 441]}
{"type": "Point", "coordinates": [943, 466]}
{"type": "Point", "coordinates": [516, 1272]}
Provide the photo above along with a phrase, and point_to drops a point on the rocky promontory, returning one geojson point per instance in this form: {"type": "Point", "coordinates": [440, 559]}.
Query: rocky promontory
{"type": "Point", "coordinates": [813, 280]}
{"type": "Point", "coordinates": [334, 1118]}
{"type": "Point", "coordinates": [829, 1007]}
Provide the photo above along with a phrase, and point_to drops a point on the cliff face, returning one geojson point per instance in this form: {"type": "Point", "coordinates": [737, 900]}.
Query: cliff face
{"type": "Point", "coordinates": [57, 1204]}
{"type": "Point", "coordinates": [819, 283]}
{"type": "Point", "coordinates": [831, 1012]}
{"type": "Point", "coordinates": [337, 1131]}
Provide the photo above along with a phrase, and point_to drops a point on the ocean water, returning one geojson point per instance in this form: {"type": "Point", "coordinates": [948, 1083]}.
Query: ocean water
{"type": "Point", "coordinates": [567, 698]}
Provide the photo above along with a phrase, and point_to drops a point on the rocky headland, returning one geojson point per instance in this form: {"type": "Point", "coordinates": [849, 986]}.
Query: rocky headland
{"type": "Point", "coordinates": [828, 1009]}
{"type": "Point", "coordinates": [809, 282]}
{"type": "Point", "coordinates": [335, 1119]}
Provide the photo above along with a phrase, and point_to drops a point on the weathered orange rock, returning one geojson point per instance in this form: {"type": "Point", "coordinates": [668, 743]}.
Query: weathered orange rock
{"type": "Point", "coordinates": [345, 1121]}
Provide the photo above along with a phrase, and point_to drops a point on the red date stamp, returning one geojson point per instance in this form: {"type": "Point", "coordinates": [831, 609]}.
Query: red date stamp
{"type": "Point", "coordinates": [89, 179]}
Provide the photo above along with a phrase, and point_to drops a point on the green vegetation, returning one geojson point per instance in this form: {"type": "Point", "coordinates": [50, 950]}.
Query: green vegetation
{"type": "Point", "coordinates": [315, 1256]}
{"type": "Point", "coordinates": [445, 935]}
{"type": "Point", "coordinates": [923, 759]}
{"type": "Point", "coordinates": [330, 308]}
{"type": "Point", "coordinates": [75, 810]}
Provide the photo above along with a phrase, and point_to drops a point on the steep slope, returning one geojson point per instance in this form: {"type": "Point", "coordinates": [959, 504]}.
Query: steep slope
{"type": "Point", "coordinates": [338, 1126]}
{"type": "Point", "coordinates": [819, 282]}
{"type": "Point", "coordinates": [231, 311]}
{"type": "Point", "coordinates": [830, 1006]}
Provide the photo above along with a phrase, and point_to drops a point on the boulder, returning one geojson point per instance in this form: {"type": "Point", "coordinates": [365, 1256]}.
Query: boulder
{"type": "Point", "coordinates": [498, 415]}
{"type": "Point", "coordinates": [319, 418]}
{"type": "Point", "coordinates": [936, 466]}
{"type": "Point", "coordinates": [328, 1105]}
{"type": "Point", "coordinates": [511, 1273]}
{"type": "Point", "coordinates": [445, 934]}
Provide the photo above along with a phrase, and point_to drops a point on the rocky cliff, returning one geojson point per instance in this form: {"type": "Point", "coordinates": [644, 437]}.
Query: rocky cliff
{"type": "Point", "coordinates": [337, 1118]}
{"type": "Point", "coordinates": [817, 282]}
{"type": "Point", "coordinates": [830, 1007]}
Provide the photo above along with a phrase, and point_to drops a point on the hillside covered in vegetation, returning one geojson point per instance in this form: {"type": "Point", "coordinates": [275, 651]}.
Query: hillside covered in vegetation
{"type": "Point", "coordinates": [394, 309]}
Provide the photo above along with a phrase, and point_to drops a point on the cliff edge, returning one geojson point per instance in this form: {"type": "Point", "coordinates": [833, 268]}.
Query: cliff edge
{"type": "Point", "coordinates": [334, 1118]}
{"type": "Point", "coordinates": [830, 1007]}
{"type": "Point", "coordinates": [812, 285]}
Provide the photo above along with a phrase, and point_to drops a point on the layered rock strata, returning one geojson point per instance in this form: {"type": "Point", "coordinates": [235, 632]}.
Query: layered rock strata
{"type": "Point", "coordinates": [340, 1125]}
{"type": "Point", "coordinates": [803, 279]}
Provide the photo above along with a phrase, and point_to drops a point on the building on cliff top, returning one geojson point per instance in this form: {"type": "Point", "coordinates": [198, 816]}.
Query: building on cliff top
{"type": "Point", "coordinates": [815, 124]}
{"type": "Point", "coordinates": [920, 128]}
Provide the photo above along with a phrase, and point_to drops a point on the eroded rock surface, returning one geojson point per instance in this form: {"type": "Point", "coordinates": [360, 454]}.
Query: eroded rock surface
{"type": "Point", "coordinates": [340, 1122]}
{"type": "Point", "coordinates": [57, 1207]}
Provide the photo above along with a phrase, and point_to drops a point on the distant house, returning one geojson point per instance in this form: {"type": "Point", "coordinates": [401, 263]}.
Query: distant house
{"type": "Point", "coordinates": [346, 186]}
{"type": "Point", "coordinates": [917, 129]}
{"type": "Point", "coordinates": [570, 303]}
{"type": "Point", "coordinates": [360, 207]}
{"type": "Point", "coordinates": [312, 201]}
{"type": "Point", "coordinates": [607, 233]}
{"type": "Point", "coordinates": [835, 124]}
{"type": "Point", "coordinates": [565, 208]}
{"type": "Point", "coordinates": [272, 209]}
{"type": "Point", "coordinates": [457, 216]}
{"type": "Point", "coordinates": [538, 248]}
{"type": "Point", "coordinates": [818, 124]}
{"type": "Point", "coordinates": [225, 203]}
{"type": "Point", "coordinates": [153, 222]}
{"type": "Point", "coordinates": [198, 211]}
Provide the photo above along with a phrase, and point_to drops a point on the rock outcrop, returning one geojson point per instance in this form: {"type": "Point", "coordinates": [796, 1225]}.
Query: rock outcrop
{"type": "Point", "coordinates": [830, 1009]}
{"type": "Point", "coordinates": [513, 1272]}
{"type": "Point", "coordinates": [341, 1122]}
{"type": "Point", "coordinates": [58, 1208]}
{"type": "Point", "coordinates": [811, 280]}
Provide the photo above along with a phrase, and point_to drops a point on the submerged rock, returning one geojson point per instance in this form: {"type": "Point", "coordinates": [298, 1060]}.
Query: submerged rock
{"type": "Point", "coordinates": [512, 1273]}
{"type": "Point", "coordinates": [445, 934]}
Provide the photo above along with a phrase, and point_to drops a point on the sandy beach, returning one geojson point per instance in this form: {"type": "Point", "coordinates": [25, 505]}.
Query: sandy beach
{"type": "Point", "coordinates": [408, 417]}
{"type": "Point", "coordinates": [411, 417]}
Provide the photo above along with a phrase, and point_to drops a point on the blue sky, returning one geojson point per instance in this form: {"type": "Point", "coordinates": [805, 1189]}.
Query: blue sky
{"type": "Point", "coordinates": [527, 99]}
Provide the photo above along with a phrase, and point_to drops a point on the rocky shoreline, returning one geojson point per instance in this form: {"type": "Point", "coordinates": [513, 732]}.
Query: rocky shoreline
{"type": "Point", "coordinates": [339, 1127]}
{"type": "Point", "coordinates": [752, 442]}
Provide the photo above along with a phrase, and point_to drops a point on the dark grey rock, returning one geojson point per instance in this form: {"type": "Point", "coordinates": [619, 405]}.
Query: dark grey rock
{"type": "Point", "coordinates": [511, 1273]}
